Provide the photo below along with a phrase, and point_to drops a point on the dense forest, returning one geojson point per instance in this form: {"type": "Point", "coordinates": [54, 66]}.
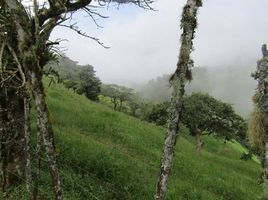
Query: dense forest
{"type": "Point", "coordinates": [198, 133]}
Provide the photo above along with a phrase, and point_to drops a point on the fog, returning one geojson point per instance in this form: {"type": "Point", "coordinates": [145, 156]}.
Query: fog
{"type": "Point", "coordinates": [145, 44]}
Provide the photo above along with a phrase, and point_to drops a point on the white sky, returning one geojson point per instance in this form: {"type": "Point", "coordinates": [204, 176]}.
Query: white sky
{"type": "Point", "coordinates": [145, 44]}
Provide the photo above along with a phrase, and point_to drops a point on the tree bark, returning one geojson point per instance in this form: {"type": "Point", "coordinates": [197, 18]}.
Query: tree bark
{"type": "Point", "coordinates": [13, 156]}
{"type": "Point", "coordinates": [199, 141]}
{"type": "Point", "coordinates": [265, 173]}
{"type": "Point", "coordinates": [38, 149]}
{"type": "Point", "coordinates": [262, 101]}
{"type": "Point", "coordinates": [45, 128]}
{"type": "Point", "coordinates": [27, 131]}
{"type": "Point", "coordinates": [188, 23]}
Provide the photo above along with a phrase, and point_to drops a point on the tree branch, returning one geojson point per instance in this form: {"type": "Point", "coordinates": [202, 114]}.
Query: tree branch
{"type": "Point", "coordinates": [75, 28]}
{"type": "Point", "coordinates": [56, 10]}
{"type": "Point", "coordinates": [18, 65]}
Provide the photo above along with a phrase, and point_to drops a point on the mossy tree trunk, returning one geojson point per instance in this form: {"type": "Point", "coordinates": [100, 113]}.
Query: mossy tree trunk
{"type": "Point", "coordinates": [12, 139]}
{"type": "Point", "coordinates": [178, 80]}
{"type": "Point", "coordinates": [261, 100]}
{"type": "Point", "coordinates": [27, 135]}
{"type": "Point", "coordinates": [45, 128]}
{"type": "Point", "coordinates": [27, 35]}
{"type": "Point", "coordinates": [31, 55]}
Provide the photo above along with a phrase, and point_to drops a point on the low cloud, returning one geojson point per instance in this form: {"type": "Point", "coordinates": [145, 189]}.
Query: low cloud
{"type": "Point", "coordinates": [145, 44]}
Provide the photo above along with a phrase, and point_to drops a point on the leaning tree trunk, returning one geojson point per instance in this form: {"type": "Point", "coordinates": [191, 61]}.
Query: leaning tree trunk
{"type": "Point", "coordinates": [178, 80]}
{"type": "Point", "coordinates": [45, 128]}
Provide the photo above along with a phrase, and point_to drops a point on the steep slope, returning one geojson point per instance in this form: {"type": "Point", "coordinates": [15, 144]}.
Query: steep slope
{"type": "Point", "coordinates": [108, 155]}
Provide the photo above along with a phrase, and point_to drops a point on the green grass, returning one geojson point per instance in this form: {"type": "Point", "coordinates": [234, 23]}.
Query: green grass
{"type": "Point", "coordinates": [105, 155]}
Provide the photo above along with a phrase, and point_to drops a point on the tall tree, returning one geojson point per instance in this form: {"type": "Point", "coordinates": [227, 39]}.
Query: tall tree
{"type": "Point", "coordinates": [25, 32]}
{"type": "Point", "coordinates": [261, 116]}
{"type": "Point", "coordinates": [177, 81]}
{"type": "Point", "coordinates": [90, 84]}
{"type": "Point", "coordinates": [205, 115]}
{"type": "Point", "coordinates": [13, 130]}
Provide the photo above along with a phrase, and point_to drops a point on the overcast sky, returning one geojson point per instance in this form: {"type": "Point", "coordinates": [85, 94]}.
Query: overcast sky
{"type": "Point", "coordinates": [145, 44]}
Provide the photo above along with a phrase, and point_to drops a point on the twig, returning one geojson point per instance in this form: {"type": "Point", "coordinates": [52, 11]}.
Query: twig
{"type": "Point", "coordinates": [18, 65]}
{"type": "Point", "coordinates": [75, 28]}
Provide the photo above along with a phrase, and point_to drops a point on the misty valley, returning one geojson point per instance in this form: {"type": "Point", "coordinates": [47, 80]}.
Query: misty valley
{"type": "Point", "coordinates": [133, 100]}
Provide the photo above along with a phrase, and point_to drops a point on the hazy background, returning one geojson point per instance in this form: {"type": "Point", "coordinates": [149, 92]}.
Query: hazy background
{"type": "Point", "coordinates": [145, 44]}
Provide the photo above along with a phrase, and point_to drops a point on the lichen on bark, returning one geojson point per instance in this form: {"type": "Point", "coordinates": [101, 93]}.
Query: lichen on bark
{"type": "Point", "coordinates": [261, 101]}
{"type": "Point", "coordinates": [177, 81]}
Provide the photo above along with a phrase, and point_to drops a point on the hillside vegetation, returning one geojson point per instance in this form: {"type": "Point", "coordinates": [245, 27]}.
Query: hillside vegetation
{"type": "Point", "coordinates": [105, 155]}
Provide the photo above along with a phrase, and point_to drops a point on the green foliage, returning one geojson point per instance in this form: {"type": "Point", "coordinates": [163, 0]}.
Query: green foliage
{"type": "Point", "coordinates": [90, 85]}
{"type": "Point", "coordinates": [105, 154]}
{"type": "Point", "coordinates": [134, 103]}
{"type": "Point", "coordinates": [213, 116]}
{"type": "Point", "coordinates": [71, 84]}
{"type": "Point", "coordinates": [99, 147]}
{"type": "Point", "coordinates": [119, 95]}
{"type": "Point", "coordinates": [222, 83]}
{"type": "Point", "coordinates": [158, 114]}
{"type": "Point", "coordinates": [81, 79]}
{"type": "Point", "coordinates": [204, 112]}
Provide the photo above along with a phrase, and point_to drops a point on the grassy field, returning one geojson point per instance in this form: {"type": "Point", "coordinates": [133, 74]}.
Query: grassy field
{"type": "Point", "coordinates": [108, 155]}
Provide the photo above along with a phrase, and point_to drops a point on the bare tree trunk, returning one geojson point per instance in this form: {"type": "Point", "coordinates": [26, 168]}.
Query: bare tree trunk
{"type": "Point", "coordinates": [120, 105]}
{"type": "Point", "coordinates": [114, 102]}
{"type": "Point", "coordinates": [45, 128]}
{"type": "Point", "coordinates": [199, 142]}
{"type": "Point", "coordinates": [188, 23]}
{"type": "Point", "coordinates": [170, 141]}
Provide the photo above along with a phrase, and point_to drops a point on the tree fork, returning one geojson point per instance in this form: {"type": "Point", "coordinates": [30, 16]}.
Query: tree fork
{"type": "Point", "coordinates": [178, 80]}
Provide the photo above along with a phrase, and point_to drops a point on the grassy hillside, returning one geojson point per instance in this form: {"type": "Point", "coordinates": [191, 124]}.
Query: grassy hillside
{"type": "Point", "coordinates": [108, 155]}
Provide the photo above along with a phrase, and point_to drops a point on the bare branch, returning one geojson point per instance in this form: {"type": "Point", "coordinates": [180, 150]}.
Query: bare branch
{"type": "Point", "coordinates": [77, 30]}
{"type": "Point", "coordinates": [91, 15]}
{"type": "Point", "coordinates": [10, 75]}
{"type": "Point", "coordinates": [145, 4]}
{"type": "Point", "coordinates": [57, 9]}
{"type": "Point", "coordinates": [18, 65]}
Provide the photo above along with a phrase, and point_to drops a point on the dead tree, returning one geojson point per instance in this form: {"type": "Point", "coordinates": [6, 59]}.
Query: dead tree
{"type": "Point", "coordinates": [177, 81]}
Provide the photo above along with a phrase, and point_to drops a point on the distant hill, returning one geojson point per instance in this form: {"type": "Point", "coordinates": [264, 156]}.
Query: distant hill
{"type": "Point", "coordinates": [67, 68]}
{"type": "Point", "coordinates": [106, 155]}
{"type": "Point", "coordinates": [230, 84]}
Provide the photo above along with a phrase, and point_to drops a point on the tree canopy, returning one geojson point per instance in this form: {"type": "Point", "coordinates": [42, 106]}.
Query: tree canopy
{"type": "Point", "coordinates": [90, 85]}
